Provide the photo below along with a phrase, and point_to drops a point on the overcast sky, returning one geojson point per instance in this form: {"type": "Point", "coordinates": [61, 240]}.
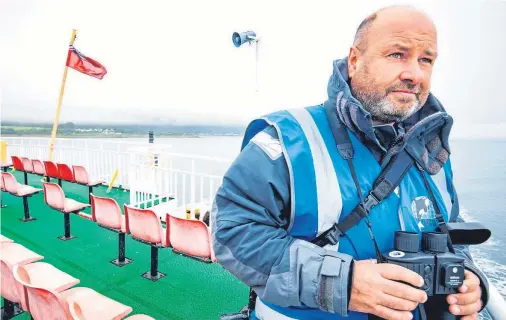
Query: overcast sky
{"type": "Point", "coordinates": [174, 60]}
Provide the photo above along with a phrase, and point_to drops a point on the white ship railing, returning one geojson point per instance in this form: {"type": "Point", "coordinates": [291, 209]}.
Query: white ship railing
{"type": "Point", "coordinates": [185, 179]}
{"type": "Point", "coordinates": [100, 157]}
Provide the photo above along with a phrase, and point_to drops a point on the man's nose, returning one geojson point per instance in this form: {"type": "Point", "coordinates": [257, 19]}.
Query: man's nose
{"type": "Point", "coordinates": [412, 72]}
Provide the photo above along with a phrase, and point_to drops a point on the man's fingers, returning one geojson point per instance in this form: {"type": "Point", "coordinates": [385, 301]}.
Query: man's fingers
{"type": "Point", "coordinates": [471, 282]}
{"type": "Point", "coordinates": [389, 314]}
{"type": "Point", "coordinates": [464, 298]}
{"type": "Point", "coordinates": [467, 309]}
{"type": "Point", "coordinates": [473, 316]}
{"type": "Point", "coordinates": [395, 272]}
{"type": "Point", "coordinates": [395, 303]}
{"type": "Point", "coordinates": [404, 291]}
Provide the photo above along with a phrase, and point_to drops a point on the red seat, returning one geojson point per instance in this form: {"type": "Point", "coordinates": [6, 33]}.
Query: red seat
{"type": "Point", "coordinates": [55, 198]}
{"type": "Point", "coordinates": [146, 227]}
{"type": "Point", "coordinates": [51, 170]}
{"type": "Point", "coordinates": [12, 186]}
{"type": "Point", "coordinates": [64, 173]}
{"type": "Point", "coordinates": [27, 164]}
{"type": "Point", "coordinates": [81, 177]}
{"type": "Point", "coordinates": [13, 254]}
{"type": "Point", "coordinates": [107, 213]}
{"type": "Point", "coordinates": [17, 163]}
{"type": "Point", "coordinates": [41, 275]}
{"type": "Point", "coordinates": [75, 303]}
{"type": "Point", "coordinates": [190, 238]}
{"type": "Point", "coordinates": [38, 168]}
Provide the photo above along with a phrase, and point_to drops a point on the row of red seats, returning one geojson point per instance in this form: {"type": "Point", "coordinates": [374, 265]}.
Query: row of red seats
{"type": "Point", "coordinates": [49, 293]}
{"type": "Point", "coordinates": [60, 171]}
{"type": "Point", "coordinates": [190, 238]}
{"type": "Point", "coordinates": [187, 237]}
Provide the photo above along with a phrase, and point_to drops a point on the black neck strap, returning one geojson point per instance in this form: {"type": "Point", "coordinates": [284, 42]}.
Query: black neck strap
{"type": "Point", "coordinates": [389, 178]}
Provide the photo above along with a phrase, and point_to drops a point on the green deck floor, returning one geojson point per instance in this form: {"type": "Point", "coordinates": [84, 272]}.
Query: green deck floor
{"type": "Point", "coordinates": [190, 290]}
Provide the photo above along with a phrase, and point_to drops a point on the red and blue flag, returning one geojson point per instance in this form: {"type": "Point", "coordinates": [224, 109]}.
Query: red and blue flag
{"type": "Point", "coordinates": [77, 61]}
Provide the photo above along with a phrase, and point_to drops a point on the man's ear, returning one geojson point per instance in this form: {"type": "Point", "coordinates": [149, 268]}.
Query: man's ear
{"type": "Point", "coordinates": [353, 57]}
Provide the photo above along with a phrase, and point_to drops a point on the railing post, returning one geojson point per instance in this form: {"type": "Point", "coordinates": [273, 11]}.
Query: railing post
{"type": "Point", "coordinates": [192, 183]}
{"type": "Point", "coordinates": [174, 191]}
{"type": "Point", "coordinates": [171, 177]}
{"type": "Point", "coordinates": [201, 189]}
{"type": "Point", "coordinates": [87, 151]}
{"type": "Point", "coordinates": [132, 178]}
{"type": "Point", "coordinates": [211, 187]}
{"type": "Point", "coordinates": [184, 190]}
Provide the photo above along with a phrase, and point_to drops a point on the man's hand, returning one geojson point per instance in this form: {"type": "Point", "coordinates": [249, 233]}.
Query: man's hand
{"type": "Point", "coordinates": [468, 302]}
{"type": "Point", "coordinates": [376, 290]}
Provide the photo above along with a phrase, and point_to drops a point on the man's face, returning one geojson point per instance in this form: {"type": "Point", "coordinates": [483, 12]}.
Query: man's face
{"type": "Point", "coordinates": [391, 75]}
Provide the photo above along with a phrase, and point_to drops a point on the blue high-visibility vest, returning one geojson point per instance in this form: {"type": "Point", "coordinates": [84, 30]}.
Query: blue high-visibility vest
{"type": "Point", "coordinates": [323, 192]}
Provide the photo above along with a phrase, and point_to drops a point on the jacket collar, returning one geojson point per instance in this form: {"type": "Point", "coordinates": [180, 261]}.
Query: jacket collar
{"type": "Point", "coordinates": [351, 112]}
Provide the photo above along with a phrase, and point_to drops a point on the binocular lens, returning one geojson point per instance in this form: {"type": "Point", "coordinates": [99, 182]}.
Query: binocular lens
{"type": "Point", "coordinates": [434, 241]}
{"type": "Point", "coordinates": [406, 241]}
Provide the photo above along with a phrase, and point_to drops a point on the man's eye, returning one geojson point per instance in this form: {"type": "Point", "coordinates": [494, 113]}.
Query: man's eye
{"type": "Point", "coordinates": [427, 60]}
{"type": "Point", "coordinates": [395, 55]}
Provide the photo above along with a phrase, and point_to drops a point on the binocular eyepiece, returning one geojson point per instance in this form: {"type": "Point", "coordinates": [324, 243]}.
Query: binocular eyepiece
{"type": "Point", "coordinates": [431, 242]}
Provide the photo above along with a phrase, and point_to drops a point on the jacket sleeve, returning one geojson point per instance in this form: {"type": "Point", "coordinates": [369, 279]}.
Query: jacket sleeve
{"type": "Point", "coordinates": [463, 250]}
{"type": "Point", "coordinates": [249, 222]}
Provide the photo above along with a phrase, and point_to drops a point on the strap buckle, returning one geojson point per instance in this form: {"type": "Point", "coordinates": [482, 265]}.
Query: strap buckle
{"type": "Point", "coordinates": [370, 202]}
{"type": "Point", "coordinates": [333, 235]}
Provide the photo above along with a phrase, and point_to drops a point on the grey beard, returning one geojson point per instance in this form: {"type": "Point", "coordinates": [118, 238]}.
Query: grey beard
{"type": "Point", "coordinates": [382, 110]}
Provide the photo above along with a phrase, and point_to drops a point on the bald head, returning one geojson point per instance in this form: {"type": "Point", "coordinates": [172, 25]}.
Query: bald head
{"type": "Point", "coordinates": [390, 63]}
{"type": "Point", "coordinates": [392, 14]}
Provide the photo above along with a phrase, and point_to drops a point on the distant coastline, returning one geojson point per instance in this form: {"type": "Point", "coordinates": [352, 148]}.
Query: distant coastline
{"type": "Point", "coordinates": [119, 131]}
{"type": "Point", "coordinates": [101, 136]}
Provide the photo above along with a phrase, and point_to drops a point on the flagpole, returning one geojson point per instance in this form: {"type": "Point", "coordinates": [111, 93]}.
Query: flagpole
{"type": "Point", "coordinates": [58, 108]}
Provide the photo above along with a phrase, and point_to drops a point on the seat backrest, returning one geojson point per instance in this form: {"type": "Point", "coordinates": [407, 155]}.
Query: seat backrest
{"type": "Point", "coordinates": [38, 167]}
{"type": "Point", "coordinates": [80, 174]}
{"type": "Point", "coordinates": [51, 169]}
{"type": "Point", "coordinates": [17, 163]}
{"type": "Point", "coordinates": [53, 195]}
{"type": "Point", "coordinates": [64, 172]}
{"type": "Point", "coordinates": [11, 185]}
{"type": "Point", "coordinates": [189, 236]}
{"type": "Point", "coordinates": [13, 254]}
{"type": "Point", "coordinates": [27, 164]}
{"type": "Point", "coordinates": [44, 304]}
{"type": "Point", "coordinates": [106, 212]}
{"type": "Point", "coordinates": [8, 288]}
{"type": "Point", "coordinates": [19, 273]}
{"type": "Point", "coordinates": [143, 224]}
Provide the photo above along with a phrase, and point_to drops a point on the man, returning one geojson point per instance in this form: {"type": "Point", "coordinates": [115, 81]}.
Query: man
{"type": "Point", "coordinates": [289, 185]}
